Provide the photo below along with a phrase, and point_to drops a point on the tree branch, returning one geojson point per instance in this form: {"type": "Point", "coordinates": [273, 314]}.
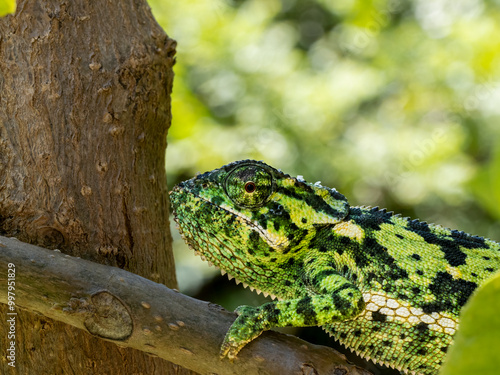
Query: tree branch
{"type": "Point", "coordinates": [135, 312]}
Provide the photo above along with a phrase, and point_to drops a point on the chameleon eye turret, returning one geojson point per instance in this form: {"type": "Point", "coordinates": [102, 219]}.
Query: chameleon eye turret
{"type": "Point", "coordinates": [249, 186]}
{"type": "Point", "coordinates": [387, 287]}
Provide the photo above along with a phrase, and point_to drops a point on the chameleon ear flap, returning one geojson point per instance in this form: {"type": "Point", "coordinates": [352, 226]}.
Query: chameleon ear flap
{"type": "Point", "coordinates": [310, 205]}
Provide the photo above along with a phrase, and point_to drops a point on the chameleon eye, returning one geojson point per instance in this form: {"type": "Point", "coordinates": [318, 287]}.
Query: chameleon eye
{"type": "Point", "coordinates": [249, 186]}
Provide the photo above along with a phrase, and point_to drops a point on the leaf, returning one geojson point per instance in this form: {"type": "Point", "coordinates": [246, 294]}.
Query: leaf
{"type": "Point", "coordinates": [477, 342]}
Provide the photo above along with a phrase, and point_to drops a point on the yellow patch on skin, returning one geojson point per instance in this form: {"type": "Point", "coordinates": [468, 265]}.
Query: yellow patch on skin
{"type": "Point", "coordinates": [453, 271]}
{"type": "Point", "coordinates": [349, 229]}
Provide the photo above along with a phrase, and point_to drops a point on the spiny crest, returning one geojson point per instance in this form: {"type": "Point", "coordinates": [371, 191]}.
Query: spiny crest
{"type": "Point", "coordinates": [416, 224]}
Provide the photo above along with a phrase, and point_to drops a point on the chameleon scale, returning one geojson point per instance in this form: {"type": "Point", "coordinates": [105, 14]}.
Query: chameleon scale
{"type": "Point", "coordinates": [387, 287]}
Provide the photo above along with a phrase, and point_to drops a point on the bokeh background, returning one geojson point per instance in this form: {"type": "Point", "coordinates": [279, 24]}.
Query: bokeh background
{"type": "Point", "coordinates": [394, 103]}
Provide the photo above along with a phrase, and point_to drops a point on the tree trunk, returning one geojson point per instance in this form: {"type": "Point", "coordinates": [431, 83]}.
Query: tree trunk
{"type": "Point", "coordinates": [85, 107]}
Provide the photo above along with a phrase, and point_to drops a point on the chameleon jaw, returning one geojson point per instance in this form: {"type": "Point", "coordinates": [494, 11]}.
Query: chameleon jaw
{"type": "Point", "coordinates": [223, 272]}
{"type": "Point", "coordinates": [231, 277]}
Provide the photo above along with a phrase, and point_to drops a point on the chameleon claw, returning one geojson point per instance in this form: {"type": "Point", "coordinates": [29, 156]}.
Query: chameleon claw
{"type": "Point", "coordinates": [241, 332]}
{"type": "Point", "coordinates": [228, 352]}
{"type": "Point", "coordinates": [230, 349]}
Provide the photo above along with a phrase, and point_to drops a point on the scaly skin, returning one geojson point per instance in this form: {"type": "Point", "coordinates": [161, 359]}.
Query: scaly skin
{"type": "Point", "coordinates": [387, 287]}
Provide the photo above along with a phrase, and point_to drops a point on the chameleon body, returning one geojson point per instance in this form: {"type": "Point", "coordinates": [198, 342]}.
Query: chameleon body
{"type": "Point", "coordinates": [387, 287]}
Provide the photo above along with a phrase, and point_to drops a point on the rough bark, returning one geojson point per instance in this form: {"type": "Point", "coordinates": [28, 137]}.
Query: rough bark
{"type": "Point", "coordinates": [135, 312]}
{"type": "Point", "coordinates": [85, 107]}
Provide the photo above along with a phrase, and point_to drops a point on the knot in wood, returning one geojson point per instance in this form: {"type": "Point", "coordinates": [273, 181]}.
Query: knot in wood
{"type": "Point", "coordinates": [110, 318]}
{"type": "Point", "coordinates": [49, 237]}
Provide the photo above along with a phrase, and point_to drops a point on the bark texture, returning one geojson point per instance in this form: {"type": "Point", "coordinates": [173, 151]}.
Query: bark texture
{"type": "Point", "coordinates": [84, 112]}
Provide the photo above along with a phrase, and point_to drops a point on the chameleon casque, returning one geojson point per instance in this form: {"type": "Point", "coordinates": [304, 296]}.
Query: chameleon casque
{"type": "Point", "coordinates": [387, 287]}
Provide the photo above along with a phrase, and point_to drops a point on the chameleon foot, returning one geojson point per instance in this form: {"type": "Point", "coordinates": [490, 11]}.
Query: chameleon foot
{"type": "Point", "coordinates": [248, 325]}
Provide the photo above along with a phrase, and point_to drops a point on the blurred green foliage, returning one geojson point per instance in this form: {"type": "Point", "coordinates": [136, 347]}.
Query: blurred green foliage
{"type": "Point", "coordinates": [395, 103]}
{"type": "Point", "coordinates": [7, 7]}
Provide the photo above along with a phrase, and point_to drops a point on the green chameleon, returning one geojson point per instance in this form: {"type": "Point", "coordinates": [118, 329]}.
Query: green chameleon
{"type": "Point", "coordinates": [387, 287]}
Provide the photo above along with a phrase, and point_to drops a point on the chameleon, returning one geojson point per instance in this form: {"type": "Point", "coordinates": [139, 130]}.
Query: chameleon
{"type": "Point", "coordinates": [385, 286]}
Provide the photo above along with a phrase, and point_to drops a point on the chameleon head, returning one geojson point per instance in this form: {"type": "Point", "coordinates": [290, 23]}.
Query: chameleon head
{"type": "Point", "coordinates": [247, 217]}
